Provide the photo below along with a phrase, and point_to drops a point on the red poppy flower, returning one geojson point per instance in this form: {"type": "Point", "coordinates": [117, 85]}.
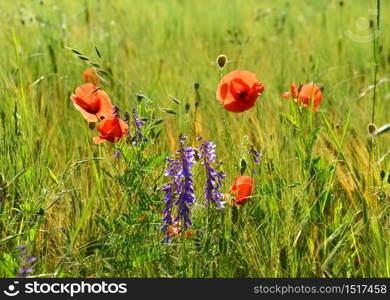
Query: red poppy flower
{"type": "Point", "coordinates": [189, 234]}
{"type": "Point", "coordinates": [93, 103]}
{"type": "Point", "coordinates": [89, 75]}
{"type": "Point", "coordinates": [242, 188]}
{"type": "Point", "coordinates": [305, 95]}
{"type": "Point", "coordinates": [239, 90]}
{"type": "Point", "coordinates": [294, 90]}
{"type": "Point", "coordinates": [111, 130]}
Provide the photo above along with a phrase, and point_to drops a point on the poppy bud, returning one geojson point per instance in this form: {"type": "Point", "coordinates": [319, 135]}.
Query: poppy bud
{"type": "Point", "coordinates": [371, 128]}
{"type": "Point", "coordinates": [221, 60]}
{"type": "Point", "coordinates": [371, 23]}
{"type": "Point", "coordinates": [90, 75]}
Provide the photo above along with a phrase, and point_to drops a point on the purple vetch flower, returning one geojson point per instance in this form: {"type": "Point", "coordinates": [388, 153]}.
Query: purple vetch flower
{"type": "Point", "coordinates": [21, 247]}
{"type": "Point", "coordinates": [117, 154]}
{"type": "Point", "coordinates": [25, 261]}
{"type": "Point", "coordinates": [187, 193]}
{"type": "Point", "coordinates": [115, 111]}
{"type": "Point", "coordinates": [24, 271]}
{"type": "Point", "coordinates": [170, 189]}
{"type": "Point", "coordinates": [179, 192]}
{"type": "Point", "coordinates": [126, 118]}
{"type": "Point", "coordinates": [255, 155]}
{"type": "Point", "coordinates": [31, 259]}
{"type": "Point", "coordinates": [213, 178]}
{"type": "Point", "coordinates": [138, 123]}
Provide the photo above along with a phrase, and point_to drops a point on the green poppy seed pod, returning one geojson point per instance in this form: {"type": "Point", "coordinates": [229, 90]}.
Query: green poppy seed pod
{"type": "Point", "coordinates": [221, 60]}
{"type": "Point", "coordinates": [371, 128]}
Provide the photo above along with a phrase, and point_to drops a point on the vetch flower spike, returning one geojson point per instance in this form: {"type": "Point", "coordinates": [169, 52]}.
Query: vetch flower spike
{"type": "Point", "coordinates": [25, 262]}
{"type": "Point", "coordinates": [138, 123]}
{"type": "Point", "coordinates": [179, 192]}
{"type": "Point", "coordinates": [255, 155]}
{"type": "Point", "coordinates": [213, 178]}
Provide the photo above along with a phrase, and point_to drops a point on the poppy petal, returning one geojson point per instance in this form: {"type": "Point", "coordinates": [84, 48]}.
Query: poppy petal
{"type": "Point", "coordinates": [222, 92]}
{"type": "Point", "coordinates": [236, 107]}
{"type": "Point", "coordinates": [98, 140]}
{"type": "Point", "coordinates": [89, 117]}
{"type": "Point", "coordinates": [294, 91]}
{"type": "Point", "coordinates": [243, 188]}
{"type": "Point", "coordinates": [106, 108]}
{"type": "Point", "coordinates": [247, 76]}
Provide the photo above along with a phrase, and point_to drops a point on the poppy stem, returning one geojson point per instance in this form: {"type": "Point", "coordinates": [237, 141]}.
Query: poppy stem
{"type": "Point", "coordinates": [376, 62]}
{"type": "Point", "coordinates": [376, 58]}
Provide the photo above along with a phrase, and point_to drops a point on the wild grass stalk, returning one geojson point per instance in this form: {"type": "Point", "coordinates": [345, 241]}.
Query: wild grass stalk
{"type": "Point", "coordinates": [375, 48]}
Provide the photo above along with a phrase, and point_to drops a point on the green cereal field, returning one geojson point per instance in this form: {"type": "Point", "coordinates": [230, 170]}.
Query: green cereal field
{"type": "Point", "coordinates": [178, 138]}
